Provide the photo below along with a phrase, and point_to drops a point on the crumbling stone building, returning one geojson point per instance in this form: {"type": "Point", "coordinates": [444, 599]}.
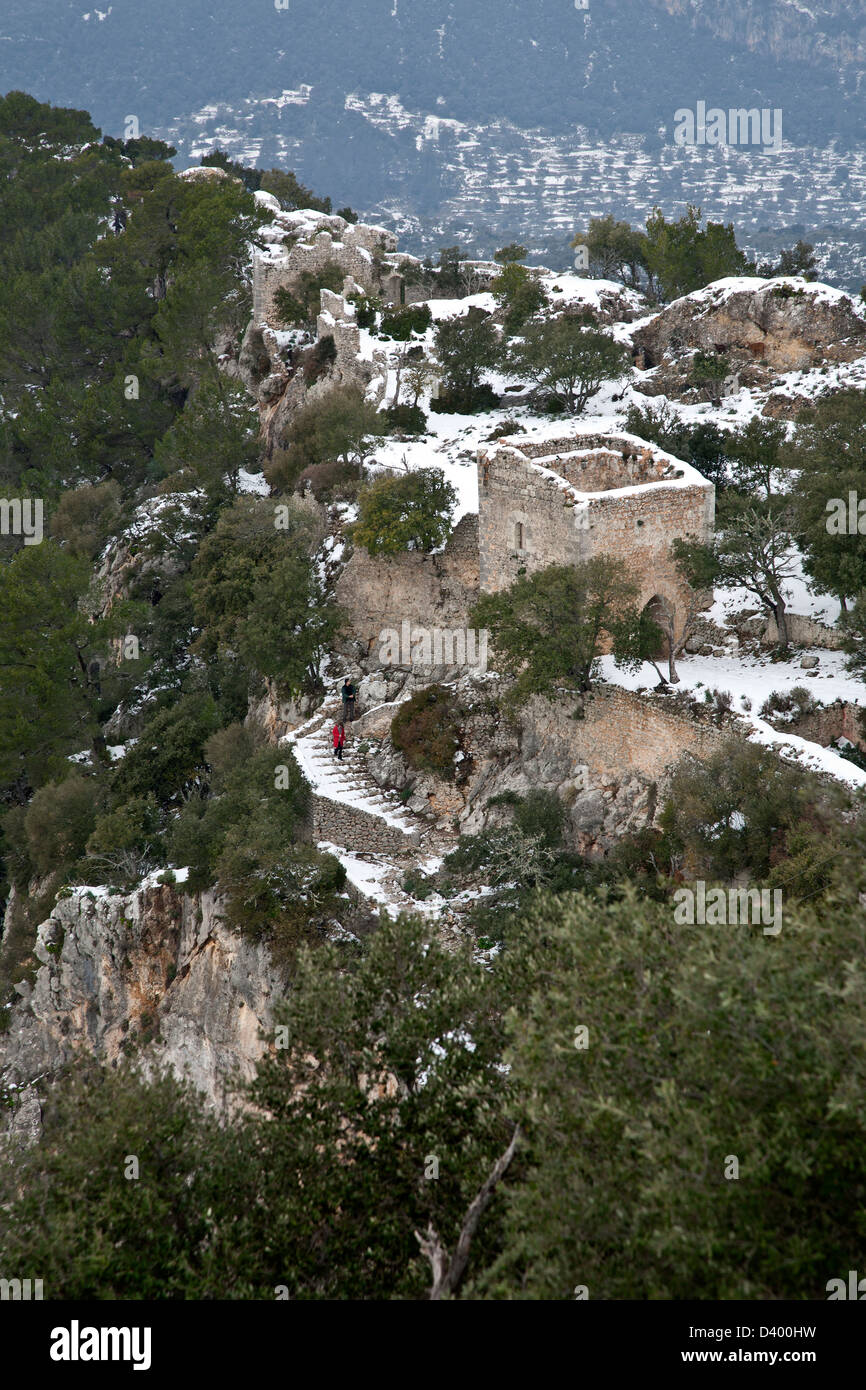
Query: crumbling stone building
{"type": "Point", "coordinates": [560, 500]}
{"type": "Point", "coordinates": [308, 241]}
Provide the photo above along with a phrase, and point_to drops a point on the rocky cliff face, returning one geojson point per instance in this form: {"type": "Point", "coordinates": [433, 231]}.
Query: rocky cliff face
{"type": "Point", "coordinates": [762, 328]}
{"type": "Point", "coordinates": [153, 973]}
{"type": "Point", "coordinates": [783, 29]}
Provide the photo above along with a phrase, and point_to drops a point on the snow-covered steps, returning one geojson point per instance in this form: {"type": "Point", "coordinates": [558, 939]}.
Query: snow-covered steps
{"type": "Point", "coordinates": [349, 809]}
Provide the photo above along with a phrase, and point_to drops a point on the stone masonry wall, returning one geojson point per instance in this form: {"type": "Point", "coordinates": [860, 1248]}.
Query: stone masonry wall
{"type": "Point", "coordinates": [623, 732]}
{"type": "Point", "coordinates": [356, 829]}
{"type": "Point", "coordinates": [427, 590]}
{"type": "Point", "coordinates": [609, 769]}
{"type": "Point", "coordinates": [352, 248]}
{"type": "Point", "coordinates": [534, 504]}
{"type": "Point", "coordinates": [805, 632]}
{"type": "Point", "coordinates": [824, 726]}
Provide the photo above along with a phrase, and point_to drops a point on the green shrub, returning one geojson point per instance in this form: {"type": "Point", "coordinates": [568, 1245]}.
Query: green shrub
{"type": "Point", "coordinates": [519, 293]}
{"type": "Point", "coordinates": [301, 305]}
{"type": "Point", "coordinates": [466, 402]}
{"type": "Point", "coordinates": [793, 703]}
{"type": "Point", "coordinates": [538, 813]}
{"type": "Point", "coordinates": [427, 731]}
{"type": "Point", "coordinates": [708, 367]}
{"type": "Point", "coordinates": [401, 323]}
{"type": "Point", "coordinates": [231, 748]}
{"type": "Point", "coordinates": [258, 595]}
{"type": "Point", "coordinates": [58, 822]}
{"type": "Point", "coordinates": [274, 889]}
{"type": "Point", "coordinates": [410, 512]}
{"type": "Point", "coordinates": [86, 516]}
{"type": "Point", "coordinates": [289, 309]}
{"type": "Point", "coordinates": [466, 346]}
{"type": "Point", "coordinates": [787, 292]}
{"type": "Point", "coordinates": [417, 885]}
{"type": "Point", "coordinates": [126, 843]}
{"type": "Point", "coordinates": [734, 811]}
{"type": "Point", "coordinates": [329, 481]}
{"type": "Point", "coordinates": [168, 759]}
{"type": "Point", "coordinates": [406, 419]}
{"type": "Point", "coordinates": [340, 425]}
{"type": "Point", "coordinates": [367, 309]}
{"type": "Point", "coordinates": [245, 787]}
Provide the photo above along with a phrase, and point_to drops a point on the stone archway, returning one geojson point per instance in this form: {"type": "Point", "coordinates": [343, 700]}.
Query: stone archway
{"type": "Point", "coordinates": [661, 611]}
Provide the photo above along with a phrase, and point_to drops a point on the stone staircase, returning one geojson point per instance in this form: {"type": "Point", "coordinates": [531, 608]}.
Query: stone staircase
{"type": "Point", "coordinates": [349, 808]}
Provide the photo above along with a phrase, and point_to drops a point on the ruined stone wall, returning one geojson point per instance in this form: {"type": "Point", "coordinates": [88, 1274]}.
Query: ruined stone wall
{"type": "Point", "coordinates": [599, 470]}
{"type": "Point", "coordinates": [624, 447]}
{"type": "Point", "coordinates": [529, 517]}
{"type": "Point", "coordinates": [356, 829]}
{"type": "Point", "coordinates": [511, 495]}
{"type": "Point", "coordinates": [623, 732]}
{"type": "Point", "coordinates": [352, 249]}
{"type": "Point", "coordinates": [805, 632]}
{"type": "Point", "coordinates": [824, 726]}
{"type": "Point", "coordinates": [427, 590]}
{"type": "Point", "coordinates": [639, 530]}
{"type": "Point", "coordinates": [610, 768]}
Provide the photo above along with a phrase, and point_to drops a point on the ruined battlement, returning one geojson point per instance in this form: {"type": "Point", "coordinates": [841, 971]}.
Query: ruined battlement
{"type": "Point", "coordinates": [308, 242]}
{"type": "Point", "coordinates": [561, 500]}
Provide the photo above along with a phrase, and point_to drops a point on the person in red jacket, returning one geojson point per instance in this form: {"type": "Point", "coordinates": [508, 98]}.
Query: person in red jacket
{"type": "Point", "coordinates": [339, 736]}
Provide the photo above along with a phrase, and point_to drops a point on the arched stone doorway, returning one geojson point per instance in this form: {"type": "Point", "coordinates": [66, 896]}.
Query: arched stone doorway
{"type": "Point", "coordinates": [660, 611]}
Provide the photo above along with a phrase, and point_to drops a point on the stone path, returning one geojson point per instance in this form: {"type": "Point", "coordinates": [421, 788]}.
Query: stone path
{"type": "Point", "coordinates": [349, 808]}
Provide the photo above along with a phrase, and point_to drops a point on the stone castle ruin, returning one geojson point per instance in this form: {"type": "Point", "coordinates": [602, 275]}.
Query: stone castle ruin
{"type": "Point", "coordinates": [308, 241]}
{"type": "Point", "coordinates": [543, 501]}
{"type": "Point", "coordinates": [271, 356]}
{"type": "Point", "coordinates": [563, 500]}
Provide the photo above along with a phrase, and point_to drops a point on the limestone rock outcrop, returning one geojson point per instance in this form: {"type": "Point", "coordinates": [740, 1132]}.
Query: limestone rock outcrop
{"type": "Point", "coordinates": [154, 970]}
{"type": "Point", "coordinates": [762, 327]}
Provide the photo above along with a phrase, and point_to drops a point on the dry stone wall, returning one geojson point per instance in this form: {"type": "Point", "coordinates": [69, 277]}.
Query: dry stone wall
{"type": "Point", "coordinates": [824, 726]}
{"type": "Point", "coordinates": [622, 731]}
{"type": "Point", "coordinates": [804, 632]}
{"type": "Point", "coordinates": [356, 829]}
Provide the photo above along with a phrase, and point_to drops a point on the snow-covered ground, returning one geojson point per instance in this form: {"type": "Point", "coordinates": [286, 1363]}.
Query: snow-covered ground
{"type": "Point", "coordinates": [750, 680]}
{"type": "Point", "coordinates": [378, 877]}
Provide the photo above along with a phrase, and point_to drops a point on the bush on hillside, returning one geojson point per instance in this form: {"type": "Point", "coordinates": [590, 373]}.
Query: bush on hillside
{"type": "Point", "coordinates": [401, 323]}
{"type": "Point", "coordinates": [406, 419]}
{"type": "Point", "coordinates": [427, 731]}
{"type": "Point", "coordinates": [466, 402]}
{"type": "Point", "coordinates": [409, 512]}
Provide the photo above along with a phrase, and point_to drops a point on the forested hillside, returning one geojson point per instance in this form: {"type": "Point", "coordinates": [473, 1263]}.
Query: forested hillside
{"type": "Point", "coordinates": [508, 1069]}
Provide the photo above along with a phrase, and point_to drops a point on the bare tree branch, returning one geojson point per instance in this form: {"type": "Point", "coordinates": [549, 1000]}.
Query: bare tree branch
{"type": "Point", "coordinates": [447, 1274]}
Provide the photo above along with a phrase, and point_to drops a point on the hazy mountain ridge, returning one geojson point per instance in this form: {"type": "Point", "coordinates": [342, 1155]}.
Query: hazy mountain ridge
{"type": "Point", "coordinates": [464, 119]}
{"type": "Point", "coordinates": [784, 29]}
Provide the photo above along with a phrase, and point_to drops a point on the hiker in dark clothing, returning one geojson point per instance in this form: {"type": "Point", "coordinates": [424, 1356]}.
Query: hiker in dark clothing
{"type": "Point", "coordinates": [339, 736]}
{"type": "Point", "coordinates": [348, 698]}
